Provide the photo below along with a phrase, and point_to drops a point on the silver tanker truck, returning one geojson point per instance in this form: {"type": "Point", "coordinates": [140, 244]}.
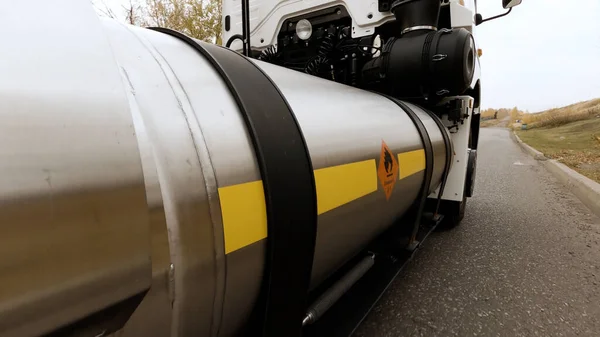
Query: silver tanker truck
{"type": "Point", "coordinates": [155, 185]}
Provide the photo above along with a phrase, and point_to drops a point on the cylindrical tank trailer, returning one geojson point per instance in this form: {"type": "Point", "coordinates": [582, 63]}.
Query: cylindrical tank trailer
{"type": "Point", "coordinates": [144, 173]}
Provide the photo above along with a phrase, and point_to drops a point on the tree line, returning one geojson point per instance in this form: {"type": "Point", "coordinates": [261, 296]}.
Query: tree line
{"type": "Point", "coordinates": [200, 19]}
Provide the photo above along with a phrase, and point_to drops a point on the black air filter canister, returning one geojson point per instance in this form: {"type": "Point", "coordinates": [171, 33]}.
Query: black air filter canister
{"type": "Point", "coordinates": [430, 64]}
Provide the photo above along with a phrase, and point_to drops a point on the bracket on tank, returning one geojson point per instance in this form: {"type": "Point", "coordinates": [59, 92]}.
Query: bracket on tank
{"type": "Point", "coordinates": [456, 107]}
{"type": "Point", "coordinates": [391, 256]}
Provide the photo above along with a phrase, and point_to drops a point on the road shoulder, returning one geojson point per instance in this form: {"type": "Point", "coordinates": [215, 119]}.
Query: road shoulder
{"type": "Point", "coordinates": [587, 190]}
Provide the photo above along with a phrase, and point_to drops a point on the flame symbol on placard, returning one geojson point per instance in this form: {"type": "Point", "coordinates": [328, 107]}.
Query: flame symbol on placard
{"type": "Point", "coordinates": [388, 161]}
{"type": "Point", "coordinates": [387, 170]}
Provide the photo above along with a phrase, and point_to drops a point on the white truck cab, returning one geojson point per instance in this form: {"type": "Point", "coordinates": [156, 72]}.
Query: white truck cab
{"type": "Point", "coordinates": [266, 17]}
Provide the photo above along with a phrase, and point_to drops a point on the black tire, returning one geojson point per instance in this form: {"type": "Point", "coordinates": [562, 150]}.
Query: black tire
{"type": "Point", "coordinates": [454, 212]}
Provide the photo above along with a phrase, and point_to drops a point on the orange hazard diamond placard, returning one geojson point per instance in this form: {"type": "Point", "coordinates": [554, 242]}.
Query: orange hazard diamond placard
{"type": "Point", "coordinates": [387, 171]}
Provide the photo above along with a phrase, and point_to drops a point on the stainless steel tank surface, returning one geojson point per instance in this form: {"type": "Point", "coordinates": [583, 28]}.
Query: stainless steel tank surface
{"type": "Point", "coordinates": [127, 166]}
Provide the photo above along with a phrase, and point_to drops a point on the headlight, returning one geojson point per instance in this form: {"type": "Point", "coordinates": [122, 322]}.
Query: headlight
{"type": "Point", "coordinates": [304, 29]}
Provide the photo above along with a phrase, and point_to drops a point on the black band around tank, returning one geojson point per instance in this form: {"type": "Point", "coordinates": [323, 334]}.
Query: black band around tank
{"type": "Point", "coordinates": [428, 148]}
{"type": "Point", "coordinates": [289, 188]}
{"type": "Point", "coordinates": [449, 155]}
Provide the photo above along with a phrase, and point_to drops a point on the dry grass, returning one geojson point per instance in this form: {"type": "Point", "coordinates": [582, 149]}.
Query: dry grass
{"type": "Point", "coordinates": [561, 116]}
{"type": "Point", "coordinates": [504, 117]}
{"type": "Point", "coordinates": [489, 113]}
{"type": "Point", "coordinates": [575, 144]}
{"type": "Point", "coordinates": [549, 118]}
{"type": "Point", "coordinates": [488, 120]}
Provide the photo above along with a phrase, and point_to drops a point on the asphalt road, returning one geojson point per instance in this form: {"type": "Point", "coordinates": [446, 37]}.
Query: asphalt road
{"type": "Point", "coordinates": [524, 262]}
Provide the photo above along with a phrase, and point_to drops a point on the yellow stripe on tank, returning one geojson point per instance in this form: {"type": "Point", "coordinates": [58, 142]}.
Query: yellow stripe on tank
{"type": "Point", "coordinates": [244, 214]}
{"type": "Point", "coordinates": [243, 207]}
{"type": "Point", "coordinates": [339, 185]}
{"type": "Point", "coordinates": [410, 163]}
{"type": "Point", "coordinates": [244, 211]}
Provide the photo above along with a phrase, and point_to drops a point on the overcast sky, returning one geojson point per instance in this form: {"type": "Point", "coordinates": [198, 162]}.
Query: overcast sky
{"type": "Point", "coordinates": [544, 54]}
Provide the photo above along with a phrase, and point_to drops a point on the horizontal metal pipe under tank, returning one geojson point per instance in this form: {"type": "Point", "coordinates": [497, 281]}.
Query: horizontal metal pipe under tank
{"type": "Point", "coordinates": [156, 150]}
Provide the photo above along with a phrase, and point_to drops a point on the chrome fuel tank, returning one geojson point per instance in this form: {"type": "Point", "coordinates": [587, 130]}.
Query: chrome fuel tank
{"type": "Point", "coordinates": [128, 170]}
{"type": "Point", "coordinates": [344, 130]}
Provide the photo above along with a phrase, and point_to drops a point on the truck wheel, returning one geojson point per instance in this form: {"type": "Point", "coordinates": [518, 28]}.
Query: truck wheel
{"type": "Point", "coordinates": [453, 212]}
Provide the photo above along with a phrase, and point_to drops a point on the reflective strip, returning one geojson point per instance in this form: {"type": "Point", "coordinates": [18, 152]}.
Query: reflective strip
{"type": "Point", "coordinates": [339, 185]}
{"type": "Point", "coordinates": [243, 206]}
{"type": "Point", "coordinates": [411, 162]}
{"type": "Point", "coordinates": [244, 214]}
